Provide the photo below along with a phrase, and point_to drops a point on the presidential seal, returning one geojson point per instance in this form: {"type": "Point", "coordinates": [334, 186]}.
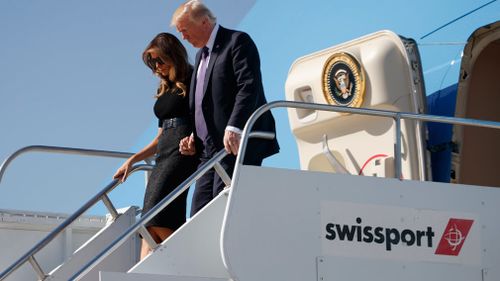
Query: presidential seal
{"type": "Point", "coordinates": [343, 80]}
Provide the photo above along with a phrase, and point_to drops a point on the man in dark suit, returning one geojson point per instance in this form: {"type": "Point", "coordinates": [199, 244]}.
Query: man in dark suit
{"type": "Point", "coordinates": [226, 88]}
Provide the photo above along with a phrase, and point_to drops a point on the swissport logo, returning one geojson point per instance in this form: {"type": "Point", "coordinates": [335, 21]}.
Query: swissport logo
{"type": "Point", "coordinates": [454, 236]}
{"type": "Point", "coordinates": [450, 244]}
{"type": "Point", "coordinates": [393, 232]}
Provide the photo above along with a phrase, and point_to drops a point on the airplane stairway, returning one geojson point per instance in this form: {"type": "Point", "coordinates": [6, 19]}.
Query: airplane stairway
{"type": "Point", "coordinates": [120, 254]}
{"type": "Point", "coordinates": [279, 224]}
{"type": "Point", "coordinates": [192, 253]}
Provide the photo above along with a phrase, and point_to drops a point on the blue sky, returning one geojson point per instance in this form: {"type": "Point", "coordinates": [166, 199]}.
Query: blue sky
{"type": "Point", "coordinates": [71, 75]}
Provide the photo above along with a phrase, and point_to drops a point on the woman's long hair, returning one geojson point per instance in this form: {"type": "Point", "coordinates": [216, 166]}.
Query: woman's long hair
{"type": "Point", "coordinates": [171, 51]}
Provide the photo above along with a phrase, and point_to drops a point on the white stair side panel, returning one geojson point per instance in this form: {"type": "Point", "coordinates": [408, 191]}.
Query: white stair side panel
{"type": "Point", "coordinates": [278, 222]}
{"type": "Point", "coordinates": [120, 260]}
{"type": "Point", "coordinates": [278, 237]}
{"type": "Point", "coordinates": [366, 269]}
{"type": "Point", "coordinates": [194, 249]}
{"type": "Point", "coordinates": [119, 276]}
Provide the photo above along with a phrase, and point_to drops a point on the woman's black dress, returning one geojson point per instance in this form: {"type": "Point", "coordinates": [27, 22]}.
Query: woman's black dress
{"type": "Point", "coordinates": [171, 167]}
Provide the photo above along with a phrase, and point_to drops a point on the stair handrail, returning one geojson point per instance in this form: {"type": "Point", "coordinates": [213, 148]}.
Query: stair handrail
{"type": "Point", "coordinates": [63, 150]}
{"type": "Point", "coordinates": [397, 116]}
{"type": "Point", "coordinates": [101, 195]}
{"type": "Point", "coordinates": [212, 163]}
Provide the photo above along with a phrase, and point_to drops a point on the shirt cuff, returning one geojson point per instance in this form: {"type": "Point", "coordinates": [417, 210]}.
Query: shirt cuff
{"type": "Point", "coordinates": [234, 129]}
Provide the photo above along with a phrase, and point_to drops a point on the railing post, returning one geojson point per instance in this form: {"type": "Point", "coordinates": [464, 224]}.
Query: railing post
{"type": "Point", "coordinates": [143, 231]}
{"type": "Point", "coordinates": [397, 148]}
{"type": "Point", "coordinates": [222, 174]}
{"type": "Point", "coordinates": [147, 174]}
{"type": "Point", "coordinates": [37, 268]}
{"type": "Point", "coordinates": [109, 205]}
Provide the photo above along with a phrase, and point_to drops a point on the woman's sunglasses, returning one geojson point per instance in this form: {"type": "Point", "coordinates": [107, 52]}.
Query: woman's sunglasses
{"type": "Point", "coordinates": [152, 62]}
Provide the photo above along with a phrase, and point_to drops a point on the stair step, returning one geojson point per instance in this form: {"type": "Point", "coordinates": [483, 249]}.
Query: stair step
{"type": "Point", "coordinates": [120, 260]}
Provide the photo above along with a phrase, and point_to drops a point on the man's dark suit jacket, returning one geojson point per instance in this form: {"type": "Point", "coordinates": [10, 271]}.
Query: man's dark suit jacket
{"type": "Point", "coordinates": [233, 91]}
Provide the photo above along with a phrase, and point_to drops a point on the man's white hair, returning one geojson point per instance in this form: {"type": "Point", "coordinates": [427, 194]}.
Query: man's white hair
{"type": "Point", "coordinates": [196, 11]}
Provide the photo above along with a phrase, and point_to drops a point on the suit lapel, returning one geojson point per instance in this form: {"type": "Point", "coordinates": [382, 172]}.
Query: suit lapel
{"type": "Point", "coordinates": [192, 92]}
{"type": "Point", "coordinates": [214, 54]}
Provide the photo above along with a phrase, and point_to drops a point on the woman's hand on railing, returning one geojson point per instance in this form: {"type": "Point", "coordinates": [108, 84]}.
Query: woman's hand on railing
{"type": "Point", "coordinates": [123, 172]}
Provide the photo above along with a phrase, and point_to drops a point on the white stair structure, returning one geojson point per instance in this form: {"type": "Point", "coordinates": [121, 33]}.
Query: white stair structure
{"type": "Point", "coordinates": [191, 253]}
{"type": "Point", "coordinates": [121, 260]}
{"type": "Point", "coordinates": [323, 226]}
{"type": "Point", "coordinates": [303, 225]}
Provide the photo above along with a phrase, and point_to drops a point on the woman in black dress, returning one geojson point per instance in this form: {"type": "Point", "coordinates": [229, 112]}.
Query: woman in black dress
{"type": "Point", "coordinates": [168, 60]}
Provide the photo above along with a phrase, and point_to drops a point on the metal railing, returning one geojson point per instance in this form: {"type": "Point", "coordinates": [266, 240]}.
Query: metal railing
{"type": "Point", "coordinates": [101, 195]}
{"type": "Point", "coordinates": [212, 163]}
{"type": "Point", "coordinates": [397, 116]}
{"type": "Point", "coordinates": [63, 150]}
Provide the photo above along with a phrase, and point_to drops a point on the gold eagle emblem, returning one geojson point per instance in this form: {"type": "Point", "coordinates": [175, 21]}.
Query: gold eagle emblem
{"type": "Point", "coordinates": [343, 80]}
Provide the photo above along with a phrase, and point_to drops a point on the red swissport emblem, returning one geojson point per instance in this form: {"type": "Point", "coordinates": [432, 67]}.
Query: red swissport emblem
{"type": "Point", "coordinates": [454, 236]}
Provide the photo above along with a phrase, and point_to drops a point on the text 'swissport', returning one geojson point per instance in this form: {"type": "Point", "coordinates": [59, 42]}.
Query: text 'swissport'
{"type": "Point", "coordinates": [379, 235]}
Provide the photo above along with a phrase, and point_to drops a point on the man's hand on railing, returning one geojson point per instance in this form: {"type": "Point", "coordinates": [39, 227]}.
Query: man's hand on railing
{"type": "Point", "coordinates": [232, 142]}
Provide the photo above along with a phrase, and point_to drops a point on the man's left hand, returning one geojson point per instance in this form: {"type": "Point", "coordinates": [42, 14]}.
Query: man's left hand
{"type": "Point", "coordinates": [232, 142]}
